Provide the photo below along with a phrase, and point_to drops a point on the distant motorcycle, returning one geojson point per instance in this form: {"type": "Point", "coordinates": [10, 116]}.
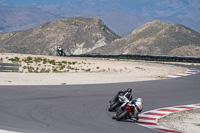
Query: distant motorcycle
{"type": "Point", "coordinates": [61, 53]}
{"type": "Point", "coordinates": [127, 113]}
{"type": "Point", "coordinates": [118, 102]}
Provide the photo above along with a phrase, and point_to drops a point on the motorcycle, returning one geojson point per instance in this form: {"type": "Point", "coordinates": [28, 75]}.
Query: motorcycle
{"type": "Point", "coordinates": [125, 114]}
{"type": "Point", "coordinates": [61, 53]}
{"type": "Point", "coordinates": [117, 102]}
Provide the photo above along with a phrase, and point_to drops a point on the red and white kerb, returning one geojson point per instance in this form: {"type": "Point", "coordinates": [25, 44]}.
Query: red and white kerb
{"type": "Point", "coordinates": [189, 71]}
{"type": "Point", "coordinates": [149, 119]}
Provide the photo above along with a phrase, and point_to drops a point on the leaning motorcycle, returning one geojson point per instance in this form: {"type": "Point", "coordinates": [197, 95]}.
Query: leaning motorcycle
{"type": "Point", "coordinates": [118, 102]}
{"type": "Point", "coordinates": [127, 113]}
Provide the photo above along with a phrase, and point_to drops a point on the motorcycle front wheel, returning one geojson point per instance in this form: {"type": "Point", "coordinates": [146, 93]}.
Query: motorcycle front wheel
{"type": "Point", "coordinates": [122, 115]}
{"type": "Point", "coordinates": [114, 106]}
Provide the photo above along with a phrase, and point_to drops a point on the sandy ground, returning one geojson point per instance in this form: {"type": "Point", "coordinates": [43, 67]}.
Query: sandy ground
{"type": "Point", "coordinates": [68, 71]}
{"type": "Point", "coordinates": [183, 121]}
{"type": "Point", "coordinates": [84, 71]}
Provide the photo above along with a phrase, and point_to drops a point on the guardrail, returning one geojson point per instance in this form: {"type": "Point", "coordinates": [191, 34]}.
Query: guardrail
{"type": "Point", "coordinates": [145, 57]}
{"type": "Point", "coordinates": [9, 67]}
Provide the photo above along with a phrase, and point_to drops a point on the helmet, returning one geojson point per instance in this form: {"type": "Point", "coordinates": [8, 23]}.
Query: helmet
{"type": "Point", "coordinates": [139, 100]}
{"type": "Point", "coordinates": [139, 104]}
{"type": "Point", "coordinates": [129, 90]}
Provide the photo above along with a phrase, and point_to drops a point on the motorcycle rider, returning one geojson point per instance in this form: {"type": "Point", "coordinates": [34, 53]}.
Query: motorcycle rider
{"type": "Point", "coordinates": [126, 93]}
{"type": "Point", "coordinates": [138, 104]}
{"type": "Point", "coordinates": [59, 50]}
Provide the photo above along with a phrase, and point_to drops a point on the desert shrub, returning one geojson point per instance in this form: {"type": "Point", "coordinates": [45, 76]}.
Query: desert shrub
{"type": "Point", "coordinates": [74, 62]}
{"type": "Point", "coordinates": [55, 69]}
{"type": "Point", "coordinates": [28, 60]}
{"type": "Point", "coordinates": [37, 59]}
{"type": "Point", "coordinates": [59, 63]}
{"type": "Point", "coordinates": [30, 69]}
{"type": "Point", "coordinates": [44, 70]}
{"type": "Point", "coordinates": [64, 62]}
{"type": "Point", "coordinates": [44, 61]}
{"type": "Point", "coordinates": [88, 70]}
{"type": "Point", "coordinates": [24, 67]}
{"type": "Point", "coordinates": [72, 68]}
{"type": "Point", "coordinates": [53, 62]}
{"type": "Point", "coordinates": [62, 67]}
{"type": "Point", "coordinates": [15, 60]}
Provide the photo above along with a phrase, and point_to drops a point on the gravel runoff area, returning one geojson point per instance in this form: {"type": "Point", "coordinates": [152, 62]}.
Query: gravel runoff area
{"type": "Point", "coordinates": [51, 70]}
{"type": "Point", "coordinates": [184, 121]}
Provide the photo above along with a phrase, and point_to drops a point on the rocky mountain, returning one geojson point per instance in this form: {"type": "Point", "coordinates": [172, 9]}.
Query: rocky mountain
{"type": "Point", "coordinates": [75, 35]}
{"type": "Point", "coordinates": [122, 16]}
{"type": "Point", "coordinates": [22, 18]}
{"type": "Point", "coordinates": [27, 17]}
{"type": "Point", "coordinates": [156, 38]}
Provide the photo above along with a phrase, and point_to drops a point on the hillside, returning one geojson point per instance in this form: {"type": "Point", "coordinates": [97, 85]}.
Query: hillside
{"type": "Point", "coordinates": [157, 38]}
{"type": "Point", "coordinates": [122, 16]}
{"type": "Point", "coordinates": [75, 35]}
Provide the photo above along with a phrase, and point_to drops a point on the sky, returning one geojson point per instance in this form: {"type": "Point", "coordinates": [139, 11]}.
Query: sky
{"type": "Point", "coordinates": [186, 12]}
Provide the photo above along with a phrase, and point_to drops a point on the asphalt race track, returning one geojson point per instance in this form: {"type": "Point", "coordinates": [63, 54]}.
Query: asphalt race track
{"type": "Point", "coordinates": [83, 108]}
